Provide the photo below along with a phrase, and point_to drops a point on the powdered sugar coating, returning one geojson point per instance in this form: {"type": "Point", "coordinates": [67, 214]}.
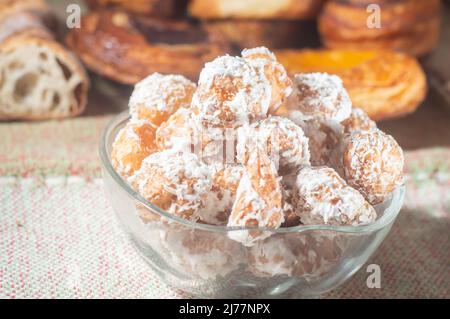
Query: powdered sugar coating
{"type": "Point", "coordinates": [231, 92]}
{"type": "Point", "coordinates": [158, 96]}
{"type": "Point", "coordinates": [291, 217]}
{"type": "Point", "coordinates": [196, 253]}
{"type": "Point", "coordinates": [265, 62]}
{"type": "Point", "coordinates": [323, 136]}
{"type": "Point", "coordinates": [133, 143]}
{"type": "Point", "coordinates": [358, 121]}
{"type": "Point", "coordinates": [177, 183]}
{"type": "Point", "coordinates": [282, 139]}
{"type": "Point", "coordinates": [184, 133]}
{"type": "Point", "coordinates": [177, 131]}
{"type": "Point", "coordinates": [258, 200]}
{"type": "Point", "coordinates": [221, 197]}
{"type": "Point", "coordinates": [323, 197]}
{"type": "Point", "coordinates": [321, 95]}
{"type": "Point", "coordinates": [372, 163]}
{"type": "Point", "coordinates": [305, 255]}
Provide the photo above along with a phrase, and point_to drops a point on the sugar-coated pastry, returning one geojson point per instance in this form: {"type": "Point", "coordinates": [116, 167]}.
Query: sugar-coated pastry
{"type": "Point", "coordinates": [266, 62]}
{"type": "Point", "coordinates": [323, 197]}
{"type": "Point", "coordinates": [358, 121]}
{"type": "Point", "coordinates": [177, 131]}
{"type": "Point", "coordinates": [158, 96]}
{"type": "Point", "coordinates": [291, 217]}
{"type": "Point", "coordinates": [373, 164]}
{"type": "Point", "coordinates": [196, 253]}
{"type": "Point", "coordinates": [133, 143]}
{"type": "Point", "coordinates": [321, 95]}
{"type": "Point", "coordinates": [323, 137]}
{"type": "Point", "coordinates": [282, 139]}
{"type": "Point", "coordinates": [231, 92]}
{"type": "Point", "coordinates": [307, 255]}
{"type": "Point", "coordinates": [177, 183]}
{"type": "Point", "coordinates": [220, 199]}
{"type": "Point", "coordinates": [258, 200]}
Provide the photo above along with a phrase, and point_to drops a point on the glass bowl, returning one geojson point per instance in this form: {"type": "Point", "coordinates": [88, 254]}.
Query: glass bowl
{"type": "Point", "coordinates": [202, 260]}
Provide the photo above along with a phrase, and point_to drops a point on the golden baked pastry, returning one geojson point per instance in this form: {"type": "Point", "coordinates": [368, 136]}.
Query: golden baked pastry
{"type": "Point", "coordinates": [254, 9]}
{"type": "Point", "coordinates": [411, 26]}
{"type": "Point", "coordinates": [385, 84]}
{"type": "Point", "coordinates": [269, 33]}
{"type": "Point", "coordinates": [126, 48]}
{"type": "Point", "coordinates": [155, 8]}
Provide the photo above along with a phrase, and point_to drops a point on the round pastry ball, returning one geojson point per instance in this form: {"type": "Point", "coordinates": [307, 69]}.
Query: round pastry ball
{"type": "Point", "coordinates": [176, 182]}
{"type": "Point", "coordinates": [282, 139]}
{"type": "Point", "coordinates": [308, 255]}
{"type": "Point", "coordinates": [258, 201]}
{"type": "Point", "coordinates": [321, 95]}
{"type": "Point", "coordinates": [265, 61]}
{"type": "Point", "coordinates": [323, 136]}
{"type": "Point", "coordinates": [358, 121]}
{"type": "Point", "coordinates": [158, 96]}
{"type": "Point", "coordinates": [373, 164]}
{"type": "Point", "coordinates": [231, 92]}
{"type": "Point", "coordinates": [133, 143]}
{"type": "Point", "coordinates": [323, 197]}
{"type": "Point", "coordinates": [221, 197]}
{"type": "Point", "coordinates": [196, 253]}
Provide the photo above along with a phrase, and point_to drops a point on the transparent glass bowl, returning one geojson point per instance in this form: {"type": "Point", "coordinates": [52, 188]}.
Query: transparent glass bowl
{"type": "Point", "coordinates": [302, 261]}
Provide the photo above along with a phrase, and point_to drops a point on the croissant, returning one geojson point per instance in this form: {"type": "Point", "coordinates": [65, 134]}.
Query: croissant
{"type": "Point", "coordinates": [385, 84]}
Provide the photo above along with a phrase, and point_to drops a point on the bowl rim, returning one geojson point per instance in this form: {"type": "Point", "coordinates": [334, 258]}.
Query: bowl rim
{"type": "Point", "coordinates": [386, 219]}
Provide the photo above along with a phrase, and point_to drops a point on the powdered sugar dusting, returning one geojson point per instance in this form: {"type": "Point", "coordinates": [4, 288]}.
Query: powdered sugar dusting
{"type": "Point", "coordinates": [322, 95]}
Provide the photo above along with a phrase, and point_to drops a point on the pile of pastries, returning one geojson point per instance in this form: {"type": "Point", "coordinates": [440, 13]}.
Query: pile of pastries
{"type": "Point", "coordinates": [220, 153]}
{"type": "Point", "coordinates": [410, 26]}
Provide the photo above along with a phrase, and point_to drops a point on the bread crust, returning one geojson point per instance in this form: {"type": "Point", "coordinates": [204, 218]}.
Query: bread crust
{"type": "Point", "coordinates": [385, 84]}
{"type": "Point", "coordinates": [125, 48]}
{"type": "Point", "coordinates": [407, 25]}
{"type": "Point", "coordinates": [63, 56]}
{"type": "Point", "coordinates": [253, 9]}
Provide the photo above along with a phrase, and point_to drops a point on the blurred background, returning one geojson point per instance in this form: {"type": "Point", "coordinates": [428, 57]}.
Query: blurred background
{"type": "Point", "coordinates": [68, 67]}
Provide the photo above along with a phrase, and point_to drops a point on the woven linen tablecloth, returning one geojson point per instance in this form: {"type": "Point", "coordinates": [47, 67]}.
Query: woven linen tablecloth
{"type": "Point", "coordinates": [59, 237]}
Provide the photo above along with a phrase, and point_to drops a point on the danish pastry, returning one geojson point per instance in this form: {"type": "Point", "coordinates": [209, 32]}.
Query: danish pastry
{"type": "Point", "coordinates": [323, 197]}
{"type": "Point", "coordinates": [410, 26]}
{"type": "Point", "coordinates": [269, 33]}
{"type": "Point", "coordinates": [384, 84]}
{"type": "Point", "coordinates": [158, 96]}
{"type": "Point", "coordinates": [373, 164]}
{"type": "Point", "coordinates": [126, 48]}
